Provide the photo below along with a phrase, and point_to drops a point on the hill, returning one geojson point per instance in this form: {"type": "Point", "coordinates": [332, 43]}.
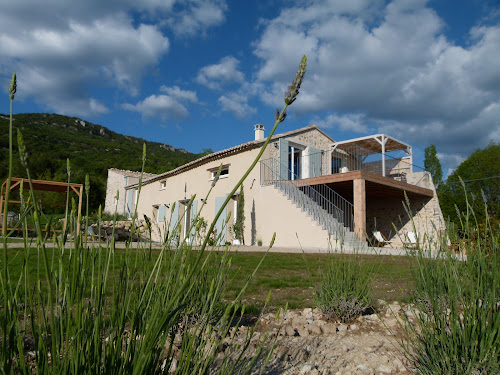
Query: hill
{"type": "Point", "coordinates": [50, 139]}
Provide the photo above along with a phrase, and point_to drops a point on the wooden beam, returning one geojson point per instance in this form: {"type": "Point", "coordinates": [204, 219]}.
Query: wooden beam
{"type": "Point", "coordinates": [369, 177]}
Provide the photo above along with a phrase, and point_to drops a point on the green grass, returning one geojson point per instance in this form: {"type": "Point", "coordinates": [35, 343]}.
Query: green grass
{"type": "Point", "coordinates": [291, 278]}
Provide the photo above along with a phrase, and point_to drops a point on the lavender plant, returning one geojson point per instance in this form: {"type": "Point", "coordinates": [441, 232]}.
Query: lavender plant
{"type": "Point", "coordinates": [454, 327]}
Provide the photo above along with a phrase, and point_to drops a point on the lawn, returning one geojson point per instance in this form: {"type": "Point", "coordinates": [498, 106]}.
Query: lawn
{"type": "Point", "coordinates": [291, 278]}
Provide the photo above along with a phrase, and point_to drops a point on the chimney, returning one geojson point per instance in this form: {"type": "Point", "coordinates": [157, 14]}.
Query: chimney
{"type": "Point", "coordinates": [259, 132]}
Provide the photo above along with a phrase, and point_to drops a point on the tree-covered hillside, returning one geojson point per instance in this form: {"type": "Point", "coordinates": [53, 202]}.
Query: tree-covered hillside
{"type": "Point", "coordinates": [92, 149]}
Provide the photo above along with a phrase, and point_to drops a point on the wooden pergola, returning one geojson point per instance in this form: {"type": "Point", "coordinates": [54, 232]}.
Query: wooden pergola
{"type": "Point", "coordinates": [41, 185]}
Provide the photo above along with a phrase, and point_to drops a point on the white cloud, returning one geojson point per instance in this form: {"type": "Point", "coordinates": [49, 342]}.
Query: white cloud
{"type": "Point", "coordinates": [165, 107]}
{"type": "Point", "coordinates": [226, 71]}
{"type": "Point", "coordinates": [196, 16]}
{"type": "Point", "coordinates": [237, 105]}
{"type": "Point", "coordinates": [449, 162]}
{"type": "Point", "coordinates": [350, 122]}
{"type": "Point", "coordinates": [386, 64]}
{"type": "Point", "coordinates": [176, 92]}
{"type": "Point", "coordinates": [60, 51]}
{"type": "Point", "coordinates": [160, 106]}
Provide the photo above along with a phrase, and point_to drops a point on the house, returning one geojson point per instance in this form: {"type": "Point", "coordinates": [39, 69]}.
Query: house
{"type": "Point", "coordinates": [312, 191]}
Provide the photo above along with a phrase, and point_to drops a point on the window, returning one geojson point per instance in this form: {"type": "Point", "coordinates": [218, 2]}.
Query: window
{"type": "Point", "coordinates": [163, 185]}
{"type": "Point", "coordinates": [224, 173]}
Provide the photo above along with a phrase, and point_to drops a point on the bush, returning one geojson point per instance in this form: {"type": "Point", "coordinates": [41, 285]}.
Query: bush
{"type": "Point", "coordinates": [344, 293]}
{"type": "Point", "coordinates": [455, 328]}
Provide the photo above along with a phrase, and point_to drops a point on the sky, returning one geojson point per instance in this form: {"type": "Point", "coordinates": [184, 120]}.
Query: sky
{"type": "Point", "coordinates": [198, 74]}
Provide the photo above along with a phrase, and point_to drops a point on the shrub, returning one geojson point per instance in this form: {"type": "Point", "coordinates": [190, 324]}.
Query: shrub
{"type": "Point", "coordinates": [344, 293]}
{"type": "Point", "coordinates": [456, 316]}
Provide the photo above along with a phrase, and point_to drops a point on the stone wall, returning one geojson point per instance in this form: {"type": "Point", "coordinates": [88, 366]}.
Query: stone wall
{"type": "Point", "coordinates": [117, 180]}
{"type": "Point", "coordinates": [394, 220]}
{"type": "Point", "coordinates": [122, 230]}
{"type": "Point", "coordinates": [313, 138]}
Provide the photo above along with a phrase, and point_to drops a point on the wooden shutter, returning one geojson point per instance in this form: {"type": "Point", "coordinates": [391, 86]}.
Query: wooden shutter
{"type": "Point", "coordinates": [219, 225]}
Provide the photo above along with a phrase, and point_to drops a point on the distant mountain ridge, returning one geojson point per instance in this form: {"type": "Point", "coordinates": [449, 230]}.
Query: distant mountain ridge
{"type": "Point", "coordinates": [50, 139]}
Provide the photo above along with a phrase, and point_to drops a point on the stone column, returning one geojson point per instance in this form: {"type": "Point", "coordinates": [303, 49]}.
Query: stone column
{"type": "Point", "coordinates": [360, 208]}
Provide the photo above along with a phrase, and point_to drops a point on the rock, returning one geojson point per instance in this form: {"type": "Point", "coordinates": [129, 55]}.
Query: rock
{"type": "Point", "coordinates": [394, 308]}
{"type": "Point", "coordinates": [289, 331]}
{"type": "Point", "coordinates": [342, 328]}
{"type": "Point", "coordinates": [391, 323]}
{"type": "Point", "coordinates": [329, 329]}
{"type": "Point", "coordinates": [384, 369]}
{"type": "Point", "coordinates": [363, 368]}
{"type": "Point", "coordinates": [372, 317]}
{"type": "Point", "coordinates": [398, 363]}
{"type": "Point", "coordinates": [306, 368]}
{"type": "Point", "coordinates": [315, 329]}
{"type": "Point", "coordinates": [409, 314]}
{"type": "Point", "coordinates": [298, 321]}
{"type": "Point", "coordinates": [303, 331]}
{"type": "Point", "coordinates": [353, 327]}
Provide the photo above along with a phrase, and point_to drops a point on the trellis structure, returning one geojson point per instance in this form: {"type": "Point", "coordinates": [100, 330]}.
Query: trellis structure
{"type": "Point", "coordinates": [41, 185]}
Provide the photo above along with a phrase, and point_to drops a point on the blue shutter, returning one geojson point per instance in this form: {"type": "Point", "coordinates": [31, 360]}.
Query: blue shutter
{"type": "Point", "coordinates": [174, 217]}
{"type": "Point", "coordinates": [162, 210]}
{"type": "Point", "coordinates": [192, 231]}
{"type": "Point", "coordinates": [130, 202]}
{"type": "Point", "coordinates": [314, 162]}
{"type": "Point", "coordinates": [283, 167]}
{"type": "Point", "coordinates": [219, 225]}
{"type": "Point", "coordinates": [194, 207]}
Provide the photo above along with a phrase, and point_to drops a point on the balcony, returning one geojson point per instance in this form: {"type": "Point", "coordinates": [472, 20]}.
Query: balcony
{"type": "Point", "coordinates": [380, 155]}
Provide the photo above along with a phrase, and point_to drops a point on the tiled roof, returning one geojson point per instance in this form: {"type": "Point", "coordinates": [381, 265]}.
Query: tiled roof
{"type": "Point", "coordinates": [229, 151]}
{"type": "Point", "coordinates": [128, 173]}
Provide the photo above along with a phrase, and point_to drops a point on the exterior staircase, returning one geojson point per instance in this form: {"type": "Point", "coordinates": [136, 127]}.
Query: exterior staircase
{"type": "Point", "coordinates": [324, 205]}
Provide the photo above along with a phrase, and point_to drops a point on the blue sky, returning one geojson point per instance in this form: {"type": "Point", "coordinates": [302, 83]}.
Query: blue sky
{"type": "Point", "coordinates": [200, 73]}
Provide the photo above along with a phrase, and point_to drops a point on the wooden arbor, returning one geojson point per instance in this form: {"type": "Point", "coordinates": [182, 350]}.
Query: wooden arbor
{"type": "Point", "coordinates": [41, 185]}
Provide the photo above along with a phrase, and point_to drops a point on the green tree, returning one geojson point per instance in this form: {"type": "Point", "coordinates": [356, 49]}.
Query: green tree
{"type": "Point", "coordinates": [432, 165]}
{"type": "Point", "coordinates": [480, 174]}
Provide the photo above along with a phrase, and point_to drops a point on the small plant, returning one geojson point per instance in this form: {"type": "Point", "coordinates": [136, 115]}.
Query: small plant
{"type": "Point", "coordinates": [259, 242]}
{"type": "Point", "coordinates": [344, 293]}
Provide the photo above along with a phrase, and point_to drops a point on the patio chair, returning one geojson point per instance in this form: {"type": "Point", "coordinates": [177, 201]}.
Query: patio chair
{"type": "Point", "coordinates": [379, 239]}
{"type": "Point", "coordinates": [411, 240]}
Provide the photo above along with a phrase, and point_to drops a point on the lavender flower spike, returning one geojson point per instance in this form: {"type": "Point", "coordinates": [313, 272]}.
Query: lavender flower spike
{"type": "Point", "coordinates": [293, 89]}
{"type": "Point", "coordinates": [13, 86]}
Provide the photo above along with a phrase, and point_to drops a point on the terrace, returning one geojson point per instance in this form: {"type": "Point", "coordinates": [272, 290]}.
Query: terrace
{"type": "Point", "coordinates": [363, 171]}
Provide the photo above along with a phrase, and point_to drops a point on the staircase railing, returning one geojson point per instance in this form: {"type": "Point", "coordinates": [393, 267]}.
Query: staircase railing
{"type": "Point", "coordinates": [325, 205]}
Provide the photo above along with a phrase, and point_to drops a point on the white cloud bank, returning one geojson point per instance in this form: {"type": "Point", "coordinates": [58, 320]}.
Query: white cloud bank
{"type": "Point", "coordinates": [61, 51]}
{"type": "Point", "coordinates": [388, 67]}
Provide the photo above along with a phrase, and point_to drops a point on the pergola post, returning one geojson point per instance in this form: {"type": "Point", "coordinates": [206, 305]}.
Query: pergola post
{"type": "Point", "coordinates": [359, 190]}
{"type": "Point", "coordinates": [410, 153]}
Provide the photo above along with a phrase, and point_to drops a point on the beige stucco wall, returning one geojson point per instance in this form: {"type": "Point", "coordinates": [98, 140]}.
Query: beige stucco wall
{"type": "Point", "coordinates": [198, 181]}
{"type": "Point", "coordinates": [273, 212]}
